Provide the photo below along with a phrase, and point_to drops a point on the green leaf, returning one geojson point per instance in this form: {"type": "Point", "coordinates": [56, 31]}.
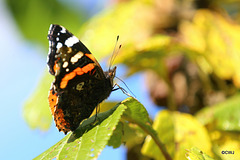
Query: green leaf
{"type": "Point", "coordinates": [93, 135]}
{"type": "Point", "coordinates": [116, 138]}
{"type": "Point", "coordinates": [36, 111]}
{"type": "Point", "coordinates": [136, 111]}
{"type": "Point", "coordinates": [196, 154]}
{"type": "Point", "coordinates": [35, 17]}
{"type": "Point", "coordinates": [222, 121]}
{"type": "Point", "coordinates": [223, 116]}
{"type": "Point", "coordinates": [89, 139]}
{"type": "Point", "coordinates": [128, 131]}
{"type": "Point", "coordinates": [178, 131]}
{"type": "Point", "coordinates": [132, 134]}
{"type": "Point", "coordinates": [54, 151]}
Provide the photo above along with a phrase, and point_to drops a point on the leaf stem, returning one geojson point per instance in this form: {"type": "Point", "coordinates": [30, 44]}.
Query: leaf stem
{"type": "Point", "coordinates": [152, 134]}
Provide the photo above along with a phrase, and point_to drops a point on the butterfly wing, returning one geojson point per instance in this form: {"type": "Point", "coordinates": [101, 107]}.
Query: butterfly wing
{"type": "Point", "coordinates": [60, 37]}
{"type": "Point", "coordinates": [80, 83]}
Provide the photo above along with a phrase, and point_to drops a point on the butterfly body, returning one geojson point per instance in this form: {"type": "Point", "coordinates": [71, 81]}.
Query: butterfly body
{"type": "Point", "coordinates": [80, 83]}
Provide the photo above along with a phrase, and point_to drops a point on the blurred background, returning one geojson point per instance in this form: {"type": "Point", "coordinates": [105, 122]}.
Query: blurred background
{"type": "Point", "coordinates": [179, 55]}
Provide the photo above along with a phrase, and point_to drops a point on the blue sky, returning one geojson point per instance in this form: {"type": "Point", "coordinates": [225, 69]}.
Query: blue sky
{"type": "Point", "coordinates": [22, 65]}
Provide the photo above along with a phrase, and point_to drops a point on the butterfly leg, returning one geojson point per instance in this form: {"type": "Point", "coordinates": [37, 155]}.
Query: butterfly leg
{"type": "Point", "coordinates": [115, 89]}
{"type": "Point", "coordinates": [122, 89]}
{"type": "Point", "coordinates": [97, 111]}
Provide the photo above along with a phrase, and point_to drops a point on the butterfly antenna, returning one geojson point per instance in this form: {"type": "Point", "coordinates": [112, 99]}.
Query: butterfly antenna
{"type": "Point", "coordinates": [124, 89]}
{"type": "Point", "coordinates": [114, 53]}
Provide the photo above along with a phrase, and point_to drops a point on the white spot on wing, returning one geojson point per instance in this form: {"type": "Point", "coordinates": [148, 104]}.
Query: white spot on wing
{"type": "Point", "coordinates": [63, 30]}
{"type": "Point", "coordinates": [57, 39]}
{"type": "Point", "coordinates": [59, 45]}
{"type": "Point", "coordinates": [58, 51]}
{"type": "Point", "coordinates": [74, 60]}
{"type": "Point", "coordinates": [67, 69]}
{"type": "Point", "coordinates": [76, 57]}
{"type": "Point", "coordinates": [65, 64]}
{"type": "Point", "coordinates": [71, 41]}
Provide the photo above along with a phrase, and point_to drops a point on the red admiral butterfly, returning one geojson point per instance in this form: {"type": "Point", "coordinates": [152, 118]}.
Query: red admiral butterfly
{"type": "Point", "coordinates": [80, 83]}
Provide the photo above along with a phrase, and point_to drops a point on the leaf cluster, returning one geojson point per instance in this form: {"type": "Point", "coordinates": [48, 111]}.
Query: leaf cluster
{"type": "Point", "coordinates": [190, 54]}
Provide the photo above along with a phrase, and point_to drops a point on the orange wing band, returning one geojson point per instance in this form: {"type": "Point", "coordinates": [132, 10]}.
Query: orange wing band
{"type": "Point", "coordinates": [78, 71]}
{"type": "Point", "coordinates": [90, 56]}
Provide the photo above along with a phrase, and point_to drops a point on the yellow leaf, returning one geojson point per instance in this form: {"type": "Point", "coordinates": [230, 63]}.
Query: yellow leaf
{"type": "Point", "coordinates": [196, 154]}
{"type": "Point", "coordinates": [226, 144]}
{"type": "Point", "coordinates": [217, 40]}
{"type": "Point", "coordinates": [178, 131]}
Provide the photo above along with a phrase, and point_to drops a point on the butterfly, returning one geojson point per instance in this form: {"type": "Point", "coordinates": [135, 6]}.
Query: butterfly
{"type": "Point", "coordinates": [80, 83]}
